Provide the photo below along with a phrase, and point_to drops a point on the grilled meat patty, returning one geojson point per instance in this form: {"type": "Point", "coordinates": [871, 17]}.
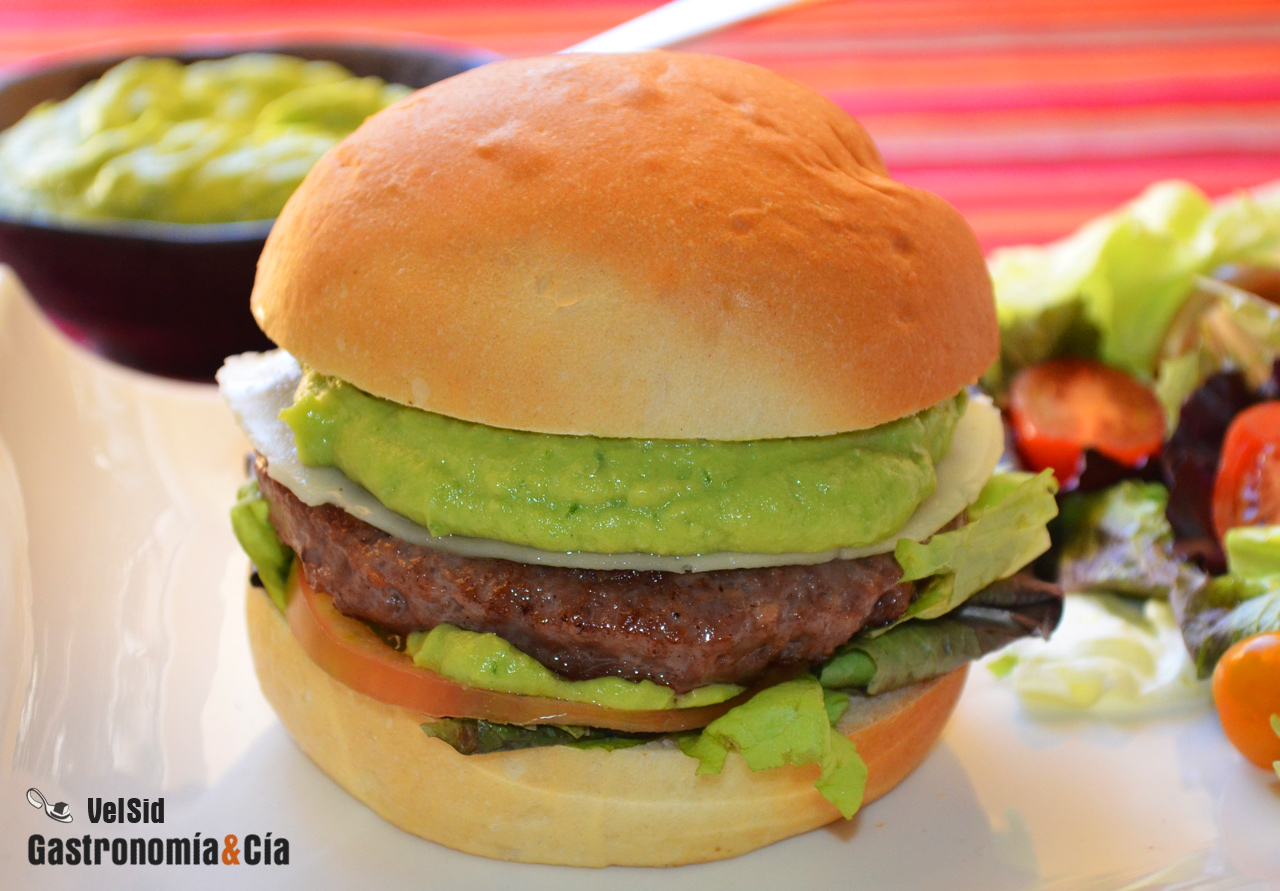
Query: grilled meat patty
{"type": "Point", "coordinates": [682, 630]}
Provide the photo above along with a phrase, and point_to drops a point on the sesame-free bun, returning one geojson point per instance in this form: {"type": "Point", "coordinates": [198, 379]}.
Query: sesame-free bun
{"type": "Point", "coordinates": [657, 245]}
{"type": "Point", "coordinates": [642, 806]}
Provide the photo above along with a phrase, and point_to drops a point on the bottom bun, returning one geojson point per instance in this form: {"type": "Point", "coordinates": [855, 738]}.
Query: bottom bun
{"type": "Point", "coordinates": [641, 806]}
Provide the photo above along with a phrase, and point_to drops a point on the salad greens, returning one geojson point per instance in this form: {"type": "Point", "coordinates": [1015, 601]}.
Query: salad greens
{"type": "Point", "coordinates": [1220, 327]}
{"type": "Point", "coordinates": [1254, 551]}
{"type": "Point", "coordinates": [1149, 289]}
{"type": "Point", "coordinates": [1112, 289]}
{"type": "Point", "coordinates": [1119, 541]}
{"type": "Point", "coordinates": [469, 736]}
{"type": "Point", "coordinates": [1111, 656]}
{"type": "Point", "coordinates": [1191, 456]}
{"type": "Point", "coordinates": [1240, 604]}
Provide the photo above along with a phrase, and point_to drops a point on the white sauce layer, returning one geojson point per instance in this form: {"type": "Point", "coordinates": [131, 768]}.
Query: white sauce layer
{"type": "Point", "coordinates": [258, 386]}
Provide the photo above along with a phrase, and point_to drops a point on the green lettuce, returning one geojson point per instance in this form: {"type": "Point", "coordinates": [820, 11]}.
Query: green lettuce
{"type": "Point", "coordinates": [1240, 604]}
{"type": "Point", "coordinates": [1253, 552]}
{"type": "Point", "coordinates": [916, 651]}
{"type": "Point", "coordinates": [785, 724]}
{"type": "Point", "coordinates": [258, 538]}
{"type": "Point", "coordinates": [1003, 612]}
{"type": "Point", "coordinates": [1005, 532]}
{"type": "Point", "coordinates": [1111, 656]}
{"type": "Point", "coordinates": [1111, 289]}
{"type": "Point", "coordinates": [1178, 378]}
{"type": "Point", "coordinates": [469, 736]}
{"type": "Point", "coordinates": [1275, 728]}
{"type": "Point", "coordinates": [1220, 327]}
{"type": "Point", "coordinates": [1120, 542]}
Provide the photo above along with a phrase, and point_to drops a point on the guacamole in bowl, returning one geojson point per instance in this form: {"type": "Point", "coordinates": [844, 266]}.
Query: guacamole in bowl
{"type": "Point", "coordinates": [216, 141]}
{"type": "Point", "coordinates": [136, 194]}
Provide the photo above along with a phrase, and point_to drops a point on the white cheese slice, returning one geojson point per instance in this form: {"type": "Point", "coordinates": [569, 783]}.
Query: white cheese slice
{"type": "Point", "coordinates": [257, 386]}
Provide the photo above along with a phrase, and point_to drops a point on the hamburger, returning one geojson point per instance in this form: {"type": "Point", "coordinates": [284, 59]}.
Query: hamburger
{"type": "Point", "coordinates": [618, 497]}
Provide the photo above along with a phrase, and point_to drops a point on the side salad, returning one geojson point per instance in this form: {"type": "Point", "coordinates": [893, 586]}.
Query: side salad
{"type": "Point", "coordinates": [1140, 363]}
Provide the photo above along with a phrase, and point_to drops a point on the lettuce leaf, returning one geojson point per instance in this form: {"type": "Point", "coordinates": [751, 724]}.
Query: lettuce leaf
{"type": "Point", "coordinates": [1192, 453]}
{"type": "Point", "coordinates": [1120, 542]}
{"type": "Point", "coordinates": [259, 540]}
{"type": "Point", "coordinates": [1010, 609]}
{"type": "Point", "coordinates": [1122, 277]}
{"type": "Point", "coordinates": [1219, 328]}
{"type": "Point", "coordinates": [1240, 604]}
{"type": "Point", "coordinates": [785, 724]}
{"type": "Point", "coordinates": [909, 653]}
{"type": "Point", "coordinates": [1253, 552]}
{"type": "Point", "coordinates": [1226, 610]}
{"type": "Point", "coordinates": [1111, 656]}
{"type": "Point", "coordinates": [1275, 728]}
{"type": "Point", "coordinates": [1179, 377]}
{"type": "Point", "coordinates": [1005, 532]}
{"type": "Point", "coordinates": [470, 736]}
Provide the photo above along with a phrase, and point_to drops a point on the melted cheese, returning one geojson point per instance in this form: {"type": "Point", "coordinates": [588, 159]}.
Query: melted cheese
{"type": "Point", "coordinates": [257, 386]}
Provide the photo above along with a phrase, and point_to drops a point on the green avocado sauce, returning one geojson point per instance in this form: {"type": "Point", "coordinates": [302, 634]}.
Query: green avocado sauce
{"type": "Point", "coordinates": [212, 142]}
{"type": "Point", "coordinates": [586, 493]}
{"type": "Point", "coordinates": [488, 662]}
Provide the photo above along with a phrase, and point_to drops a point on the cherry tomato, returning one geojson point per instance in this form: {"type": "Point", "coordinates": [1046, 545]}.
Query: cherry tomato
{"type": "Point", "coordinates": [1247, 490]}
{"type": "Point", "coordinates": [1246, 689]}
{"type": "Point", "coordinates": [1062, 407]}
{"type": "Point", "coordinates": [352, 653]}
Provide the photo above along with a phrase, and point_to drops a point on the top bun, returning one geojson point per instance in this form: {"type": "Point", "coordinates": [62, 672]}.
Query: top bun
{"type": "Point", "coordinates": [658, 245]}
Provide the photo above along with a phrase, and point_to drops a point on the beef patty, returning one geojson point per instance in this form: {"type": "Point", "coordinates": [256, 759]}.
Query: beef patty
{"type": "Point", "coordinates": [682, 630]}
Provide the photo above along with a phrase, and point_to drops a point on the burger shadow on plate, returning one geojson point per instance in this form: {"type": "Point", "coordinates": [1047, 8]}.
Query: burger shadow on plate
{"type": "Point", "coordinates": [936, 809]}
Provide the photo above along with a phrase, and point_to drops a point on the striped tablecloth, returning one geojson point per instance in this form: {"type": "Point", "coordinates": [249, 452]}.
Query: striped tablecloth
{"type": "Point", "coordinates": [1029, 115]}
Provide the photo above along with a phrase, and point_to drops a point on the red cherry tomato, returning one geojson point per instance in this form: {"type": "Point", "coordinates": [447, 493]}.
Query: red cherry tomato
{"type": "Point", "coordinates": [1062, 407]}
{"type": "Point", "coordinates": [1246, 689]}
{"type": "Point", "coordinates": [1247, 490]}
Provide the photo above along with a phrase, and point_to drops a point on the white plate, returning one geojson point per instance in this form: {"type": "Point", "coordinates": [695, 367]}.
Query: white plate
{"type": "Point", "coordinates": [125, 672]}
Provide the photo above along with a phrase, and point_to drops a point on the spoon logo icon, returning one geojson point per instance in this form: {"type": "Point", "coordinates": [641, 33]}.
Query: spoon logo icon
{"type": "Point", "coordinates": [57, 811]}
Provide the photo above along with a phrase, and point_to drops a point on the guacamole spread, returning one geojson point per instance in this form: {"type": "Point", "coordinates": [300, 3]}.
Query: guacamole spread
{"type": "Point", "coordinates": [488, 662]}
{"type": "Point", "coordinates": [211, 142]}
{"type": "Point", "coordinates": [584, 493]}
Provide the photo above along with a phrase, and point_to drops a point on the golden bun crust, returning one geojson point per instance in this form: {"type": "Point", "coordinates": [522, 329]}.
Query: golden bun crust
{"type": "Point", "coordinates": [660, 245]}
{"type": "Point", "coordinates": [640, 807]}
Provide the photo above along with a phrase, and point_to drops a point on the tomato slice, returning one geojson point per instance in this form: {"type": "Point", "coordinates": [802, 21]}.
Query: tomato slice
{"type": "Point", "coordinates": [1247, 489]}
{"type": "Point", "coordinates": [1062, 407]}
{"type": "Point", "coordinates": [352, 653]}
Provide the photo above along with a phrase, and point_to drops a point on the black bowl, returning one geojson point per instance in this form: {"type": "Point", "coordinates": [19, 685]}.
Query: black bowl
{"type": "Point", "coordinates": [169, 298]}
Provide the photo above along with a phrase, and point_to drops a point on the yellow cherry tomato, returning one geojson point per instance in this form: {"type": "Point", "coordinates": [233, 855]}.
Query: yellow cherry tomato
{"type": "Point", "coordinates": [1246, 689]}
